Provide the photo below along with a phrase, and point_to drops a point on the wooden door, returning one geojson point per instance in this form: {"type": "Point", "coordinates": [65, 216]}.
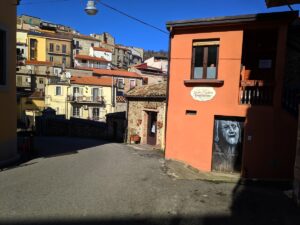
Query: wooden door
{"type": "Point", "coordinates": [152, 128]}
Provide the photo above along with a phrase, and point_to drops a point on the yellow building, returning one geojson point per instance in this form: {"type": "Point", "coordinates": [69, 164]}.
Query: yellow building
{"type": "Point", "coordinates": [36, 42]}
{"type": "Point", "coordinates": [81, 97]}
{"type": "Point", "coordinates": [8, 112]}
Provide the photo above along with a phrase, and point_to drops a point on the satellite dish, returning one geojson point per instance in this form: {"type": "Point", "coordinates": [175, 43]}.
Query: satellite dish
{"type": "Point", "coordinates": [68, 75]}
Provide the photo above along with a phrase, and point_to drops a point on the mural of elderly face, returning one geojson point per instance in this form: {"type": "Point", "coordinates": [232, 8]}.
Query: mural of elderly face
{"type": "Point", "coordinates": [230, 131]}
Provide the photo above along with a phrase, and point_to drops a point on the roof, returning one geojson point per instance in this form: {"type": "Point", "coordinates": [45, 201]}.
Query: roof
{"type": "Point", "coordinates": [85, 37]}
{"type": "Point", "coordinates": [91, 80]}
{"type": "Point", "coordinates": [91, 58]}
{"type": "Point", "coordinates": [37, 95]}
{"type": "Point", "coordinates": [116, 73]}
{"type": "Point", "coordinates": [64, 36]}
{"type": "Point", "coordinates": [226, 20]}
{"type": "Point", "coordinates": [101, 49]}
{"type": "Point", "coordinates": [121, 47]}
{"type": "Point", "coordinates": [274, 3]}
{"type": "Point", "coordinates": [33, 62]}
{"type": "Point", "coordinates": [146, 91]}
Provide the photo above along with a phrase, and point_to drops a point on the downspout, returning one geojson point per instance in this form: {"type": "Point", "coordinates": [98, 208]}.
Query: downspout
{"type": "Point", "coordinates": [168, 84]}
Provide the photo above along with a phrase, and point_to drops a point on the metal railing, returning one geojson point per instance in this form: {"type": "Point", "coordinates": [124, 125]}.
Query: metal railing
{"type": "Point", "coordinates": [256, 92]}
{"type": "Point", "coordinates": [86, 99]}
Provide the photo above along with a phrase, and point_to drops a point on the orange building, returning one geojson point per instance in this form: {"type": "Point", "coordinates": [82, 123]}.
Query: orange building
{"type": "Point", "coordinates": [225, 94]}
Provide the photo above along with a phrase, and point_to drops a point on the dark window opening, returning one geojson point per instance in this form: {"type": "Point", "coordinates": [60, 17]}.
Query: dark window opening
{"type": "Point", "coordinates": [33, 49]}
{"type": "Point", "coordinates": [51, 47]}
{"type": "Point", "coordinates": [191, 112]}
{"type": "Point", "coordinates": [64, 49]}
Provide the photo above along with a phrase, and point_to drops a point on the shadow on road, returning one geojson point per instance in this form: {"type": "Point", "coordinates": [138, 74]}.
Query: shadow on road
{"type": "Point", "coordinates": [252, 204]}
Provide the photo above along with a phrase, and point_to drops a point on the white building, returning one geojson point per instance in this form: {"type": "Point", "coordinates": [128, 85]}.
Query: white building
{"type": "Point", "coordinates": [100, 52]}
{"type": "Point", "coordinates": [158, 62]}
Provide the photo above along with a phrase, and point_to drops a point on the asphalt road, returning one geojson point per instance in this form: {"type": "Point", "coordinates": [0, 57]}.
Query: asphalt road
{"type": "Point", "coordinates": [82, 181]}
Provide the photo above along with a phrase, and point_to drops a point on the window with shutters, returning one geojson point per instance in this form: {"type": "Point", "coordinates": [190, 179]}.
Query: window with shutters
{"type": "Point", "coordinates": [205, 59]}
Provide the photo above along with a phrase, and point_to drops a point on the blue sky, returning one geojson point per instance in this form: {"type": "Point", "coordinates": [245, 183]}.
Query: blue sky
{"type": "Point", "coordinates": [129, 32]}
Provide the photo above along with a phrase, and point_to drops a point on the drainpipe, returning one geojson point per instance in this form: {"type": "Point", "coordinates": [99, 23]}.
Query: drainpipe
{"type": "Point", "coordinates": [168, 84]}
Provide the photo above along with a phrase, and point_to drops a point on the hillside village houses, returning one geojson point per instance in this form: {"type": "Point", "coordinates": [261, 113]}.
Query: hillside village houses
{"type": "Point", "coordinates": [47, 52]}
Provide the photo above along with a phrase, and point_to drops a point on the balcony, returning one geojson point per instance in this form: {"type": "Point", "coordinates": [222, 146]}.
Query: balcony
{"type": "Point", "coordinates": [86, 99]}
{"type": "Point", "coordinates": [256, 92]}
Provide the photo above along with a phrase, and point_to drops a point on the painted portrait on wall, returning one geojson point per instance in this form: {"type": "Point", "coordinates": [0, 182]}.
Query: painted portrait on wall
{"type": "Point", "coordinates": [227, 147]}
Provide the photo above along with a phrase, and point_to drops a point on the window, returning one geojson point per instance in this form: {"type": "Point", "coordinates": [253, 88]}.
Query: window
{"type": "Point", "coordinates": [95, 113]}
{"type": "Point", "coordinates": [58, 90]}
{"type": "Point", "coordinates": [76, 111]}
{"type": "Point", "coordinates": [205, 59]}
{"type": "Point", "coordinates": [57, 48]}
{"type": "Point", "coordinates": [51, 47]}
{"type": "Point", "coordinates": [51, 58]}
{"type": "Point", "coordinates": [120, 83]}
{"type": "Point", "coordinates": [132, 84]}
{"type": "Point", "coordinates": [64, 60]}
{"type": "Point", "coordinates": [92, 44]}
{"type": "Point", "coordinates": [64, 49]}
{"type": "Point", "coordinates": [2, 57]}
{"type": "Point", "coordinates": [33, 49]}
{"type": "Point", "coordinates": [41, 80]}
{"type": "Point", "coordinates": [77, 52]}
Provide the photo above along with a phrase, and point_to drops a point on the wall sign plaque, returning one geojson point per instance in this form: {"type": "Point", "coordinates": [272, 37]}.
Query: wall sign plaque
{"type": "Point", "coordinates": [203, 94]}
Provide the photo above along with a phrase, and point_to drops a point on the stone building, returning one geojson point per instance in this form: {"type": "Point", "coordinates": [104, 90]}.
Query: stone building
{"type": "Point", "coordinates": [121, 57]}
{"type": "Point", "coordinates": [146, 114]}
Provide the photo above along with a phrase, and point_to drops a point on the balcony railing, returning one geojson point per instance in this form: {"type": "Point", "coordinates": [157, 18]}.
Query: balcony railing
{"type": "Point", "coordinates": [86, 99]}
{"type": "Point", "coordinates": [256, 92]}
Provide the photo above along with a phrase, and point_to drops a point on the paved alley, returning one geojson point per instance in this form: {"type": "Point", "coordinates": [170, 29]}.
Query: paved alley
{"type": "Point", "coordinates": [83, 181]}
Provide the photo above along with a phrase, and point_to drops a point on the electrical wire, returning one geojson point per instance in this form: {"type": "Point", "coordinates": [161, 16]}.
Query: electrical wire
{"type": "Point", "coordinates": [105, 5]}
{"type": "Point", "coordinates": [134, 18]}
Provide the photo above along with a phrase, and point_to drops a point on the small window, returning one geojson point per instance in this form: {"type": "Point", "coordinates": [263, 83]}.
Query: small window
{"type": "Point", "coordinates": [2, 57]}
{"type": "Point", "coordinates": [41, 80]}
{"type": "Point", "coordinates": [205, 59]}
{"type": "Point", "coordinates": [51, 58]}
{"type": "Point", "coordinates": [95, 113]}
{"type": "Point", "coordinates": [64, 49]}
{"type": "Point", "coordinates": [64, 60]}
{"type": "Point", "coordinates": [57, 48]}
{"type": "Point", "coordinates": [77, 52]}
{"type": "Point", "coordinates": [92, 44]}
{"type": "Point", "coordinates": [51, 47]}
{"type": "Point", "coordinates": [132, 84]}
{"type": "Point", "coordinates": [58, 90]}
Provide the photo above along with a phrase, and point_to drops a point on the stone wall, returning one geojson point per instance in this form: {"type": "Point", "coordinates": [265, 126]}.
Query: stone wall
{"type": "Point", "coordinates": [138, 119]}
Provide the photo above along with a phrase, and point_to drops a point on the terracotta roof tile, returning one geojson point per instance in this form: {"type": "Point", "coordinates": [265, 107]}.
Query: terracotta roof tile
{"type": "Point", "coordinates": [90, 80]}
{"type": "Point", "coordinates": [101, 49]}
{"type": "Point", "coordinates": [117, 73]}
{"type": "Point", "coordinates": [34, 62]}
{"type": "Point", "coordinates": [153, 90]}
{"type": "Point", "coordinates": [87, 57]}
